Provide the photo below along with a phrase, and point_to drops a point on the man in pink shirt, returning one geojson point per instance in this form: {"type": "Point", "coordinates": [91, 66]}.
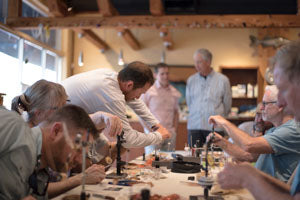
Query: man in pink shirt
{"type": "Point", "coordinates": [162, 100]}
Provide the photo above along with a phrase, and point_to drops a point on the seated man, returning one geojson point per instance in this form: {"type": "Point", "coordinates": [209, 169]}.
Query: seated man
{"type": "Point", "coordinates": [277, 152]}
{"type": "Point", "coordinates": [262, 186]}
{"type": "Point", "coordinates": [51, 144]}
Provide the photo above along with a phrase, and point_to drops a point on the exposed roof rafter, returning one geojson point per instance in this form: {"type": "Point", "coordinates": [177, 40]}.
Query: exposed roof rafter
{"type": "Point", "coordinates": [93, 38]}
{"type": "Point", "coordinates": [156, 7]}
{"type": "Point", "coordinates": [129, 38]}
{"type": "Point", "coordinates": [57, 8]}
{"type": "Point", "coordinates": [170, 21]}
{"type": "Point", "coordinates": [14, 8]}
{"type": "Point", "coordinates": [106, 8]}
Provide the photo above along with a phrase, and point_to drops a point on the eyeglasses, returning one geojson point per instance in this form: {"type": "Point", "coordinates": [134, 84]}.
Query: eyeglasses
{"type": "Point", "coordinates": [265, 103]}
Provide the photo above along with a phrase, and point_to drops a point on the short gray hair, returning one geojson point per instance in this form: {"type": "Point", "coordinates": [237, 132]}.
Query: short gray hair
{"type": "Point", "coordinates": [207, 55]}
{"type": "Point", "coordinates": [289, 58]}
{"type": "Point", "coordinates": [272, 92]}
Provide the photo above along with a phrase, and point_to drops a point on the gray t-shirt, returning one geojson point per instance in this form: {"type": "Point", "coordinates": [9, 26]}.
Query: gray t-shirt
{"type": "Point", "coordinates": [285, 142]}
{"type": "Point", "coordinates": [17, 155]}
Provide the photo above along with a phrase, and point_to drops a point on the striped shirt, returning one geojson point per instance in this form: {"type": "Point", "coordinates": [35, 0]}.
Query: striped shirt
{"type": "Point", "coordinates": [206, 97]}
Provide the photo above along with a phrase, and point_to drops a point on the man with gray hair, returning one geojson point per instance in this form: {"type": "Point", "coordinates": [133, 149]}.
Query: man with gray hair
{"type": "Point", "coordinates": [277, 152]}
{"type": "Point", "coordinates": [207, 93]}
{"type": "Point", "coordinates": [287, 77]}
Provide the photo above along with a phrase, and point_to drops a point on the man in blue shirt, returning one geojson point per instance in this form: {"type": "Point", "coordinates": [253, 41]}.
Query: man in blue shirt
{"type": "Point", "coordinates": [261, 185]}
{"type": "Point", "coordinates": [277, 152]}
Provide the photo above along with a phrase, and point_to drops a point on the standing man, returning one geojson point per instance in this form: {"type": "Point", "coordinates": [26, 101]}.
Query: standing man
{"type": "Point", "coordinates": [162, 100]}
{"type": "Point", "coordinates": [287, 77]}
{"type": "Point", "coordinates": [207, 93]}
{"type": "Point", "coordinates": [108, 91]}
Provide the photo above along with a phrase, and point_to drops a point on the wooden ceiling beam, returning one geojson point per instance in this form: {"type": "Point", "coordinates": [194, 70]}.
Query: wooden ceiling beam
{"type": "Point", "coordinates": [41, 6]}
{"type": "Point", "coordinates": [93, 38]}
{"type": "Point", "coordinates": [156, 7]}
{"type": "Point", "coordinates": [129, 38]}
{"type": "Point", "coordinates": [58, 8]}
{"type": "Point", "coordinates": [167, 38]}
{"type": "Point", "coordinates": [106, 8]}
{"type": "Point", "coordinates": [170, 21]}
{"type": "Point", "coordinates": [14, 8]}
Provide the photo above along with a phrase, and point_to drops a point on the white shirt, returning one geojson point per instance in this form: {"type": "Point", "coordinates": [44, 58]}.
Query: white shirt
{"type": "Point", "coordinates": [99, 90]}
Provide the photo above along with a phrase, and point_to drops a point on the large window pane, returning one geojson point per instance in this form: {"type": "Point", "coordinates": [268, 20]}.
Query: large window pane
{"type": "Point", "coordinates": [50, 72]}
{"type": "Point", "coordinates": [9, 44]}
{"type": "Point", "coordinates": [32, 64]}
{"type": "Point", "coordinates": [9, 67]}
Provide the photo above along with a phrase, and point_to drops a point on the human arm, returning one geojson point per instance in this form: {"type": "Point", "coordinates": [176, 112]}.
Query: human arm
{"type": "Point", "coordinates": [176, 119]}
{"type": "Point", "coordinates": [133, 137]}
{"type": "Point", "coordinates": [227, 97]}
{"type": "Point", "coordinates": [261, 185]}
{"type": "Point", "coordinates": [94, 175]}
{"type": "Point", "coordinates": [250, 144]}
{"type": "Point", "coordinates": [232, 149]}
{"type": "Point", "coordinates": [187, 93]}
{"type": "Point", "coordinates": [111, 124]}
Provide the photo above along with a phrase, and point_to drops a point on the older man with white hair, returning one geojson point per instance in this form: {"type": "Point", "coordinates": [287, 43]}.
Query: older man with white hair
{"type": "Point", "coordinates": [207, 93]}
{"type": "Point", "coordinates": [262, 186]}
{"type": "Point", "coordinates": [277, 152]}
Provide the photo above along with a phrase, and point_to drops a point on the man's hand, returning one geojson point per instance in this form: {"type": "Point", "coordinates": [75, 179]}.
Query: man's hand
{"type": "Point", "coordinates": [218, 139]}
{"type": "Point", "coordinates": [165, 134]}
{"type": "Point", "coordinates": [113, 125]}
{"type": "Point", "coordinates": [94, 174]}
{"type": "Point", "coordinates": [217, 120]}
{"type": "Point", "coordinates": [233, 175]}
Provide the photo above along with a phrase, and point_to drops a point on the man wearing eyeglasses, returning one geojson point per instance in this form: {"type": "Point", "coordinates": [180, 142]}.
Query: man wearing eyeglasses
{"type": "Point", "coordinates": [26, 153]}
{"type": "Point", "coordinates": [261, 185]}
{"type": "Point", "coordinates": [277, 152]}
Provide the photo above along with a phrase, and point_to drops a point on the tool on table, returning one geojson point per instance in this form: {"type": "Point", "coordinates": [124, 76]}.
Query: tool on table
{"type": "Point", "coordinates": [120, 163]}
{"type": "Point", "coordinates": [207, 181]}
{"type": "Point", "coordinates": [100, 196]}
{"type": "Point", "coordinates": [83, 145]}
{"type": "Point", "coordinates": [124, 182]}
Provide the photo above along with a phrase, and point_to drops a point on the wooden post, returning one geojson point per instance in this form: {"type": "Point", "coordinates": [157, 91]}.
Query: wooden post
{"type": "Point", "coordinates": [14, 8]}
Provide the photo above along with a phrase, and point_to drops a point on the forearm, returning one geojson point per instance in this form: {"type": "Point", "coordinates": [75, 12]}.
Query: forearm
{"type": "Point", "coordinates": [262, 186]}
{"type": "Point", "coordinates": [176, 120]}
{"type": "Point", "coordinates": [236, 152]}
{"type": "Point", "coordinates": [57, 188]}
{"type": "Point", "coordinates": [239, 137]}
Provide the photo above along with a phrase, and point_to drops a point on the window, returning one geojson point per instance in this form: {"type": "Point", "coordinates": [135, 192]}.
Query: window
{"type": "Point", "coordinates": [22, 64]}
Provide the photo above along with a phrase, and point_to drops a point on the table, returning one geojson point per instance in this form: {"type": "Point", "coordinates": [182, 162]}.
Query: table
{"type": "Point", "coordinates": [173, 183]}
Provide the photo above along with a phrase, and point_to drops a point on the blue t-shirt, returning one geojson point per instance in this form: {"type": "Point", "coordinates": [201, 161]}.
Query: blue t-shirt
{"type": "Point", "coordinates": [285, 142]}
{"type": "Point", "coordinates": [295, 187]}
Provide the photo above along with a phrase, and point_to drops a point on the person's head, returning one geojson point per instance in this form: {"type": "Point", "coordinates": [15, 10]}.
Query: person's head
{"type": "Point", "coordinates": [287, 77]}
{"type": "Point", "coordinates": [60, 132]}
{"type": "Point", "coordinates": [40, 100]}
{"type": "Point", "coordinates": [202, 61]}
{"type": "Point", "coordinates": [135, 79]}
{"type": "Point", "coordinates": [270, 110]}
{"type": "Point", "coordinates": [161, 72]}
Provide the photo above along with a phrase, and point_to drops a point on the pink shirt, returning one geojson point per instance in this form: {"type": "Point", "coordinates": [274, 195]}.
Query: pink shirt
{"type": "Point", "coordinates": [163, 103]}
